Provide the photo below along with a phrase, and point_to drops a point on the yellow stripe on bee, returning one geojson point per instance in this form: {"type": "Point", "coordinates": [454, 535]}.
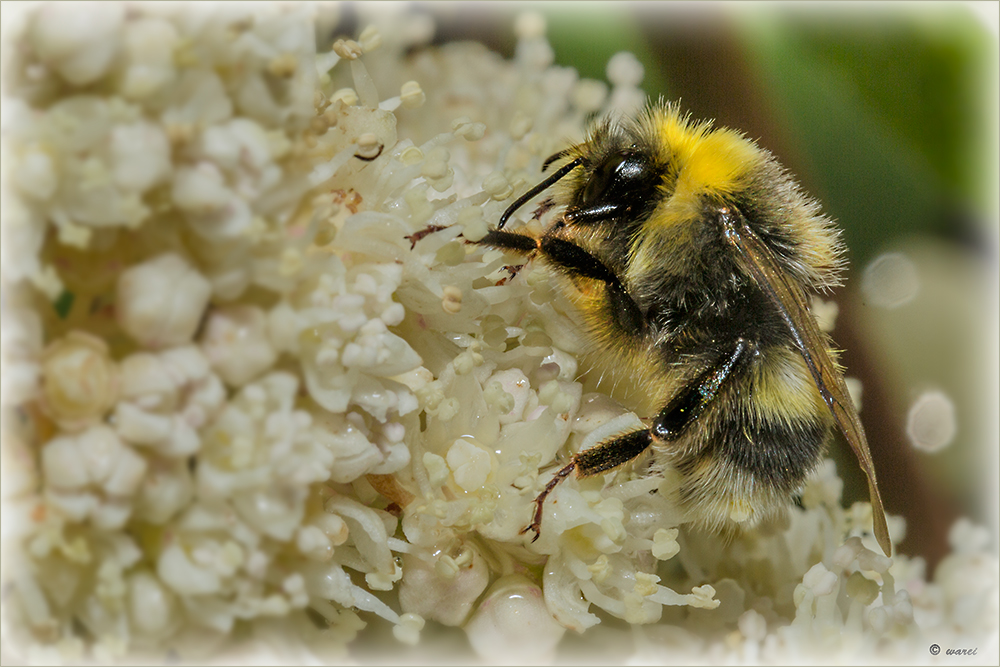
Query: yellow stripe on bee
{"type": "Point", "coordinates": [717, 163]}
{"type": "Point", "coordinates": [784, 389]}
{"type": "Point", "coordinates": [707, 160]}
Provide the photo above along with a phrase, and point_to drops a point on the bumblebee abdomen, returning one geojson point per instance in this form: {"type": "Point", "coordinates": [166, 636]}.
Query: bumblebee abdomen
{"type": "Point", "coordinates": [778, 454]}
{"type": "Point", "coordinates": [749, 473]}
{"type": "Point", "coordinates": [756, 446]}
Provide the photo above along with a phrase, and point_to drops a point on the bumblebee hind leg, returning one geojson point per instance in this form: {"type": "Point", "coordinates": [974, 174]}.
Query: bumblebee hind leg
{"type": "Point", "coordinates": [606, 456]}
{"type": "Point", "coordinates": [689, 403]}
{"type": "Point", "coordinates": [670, 424]}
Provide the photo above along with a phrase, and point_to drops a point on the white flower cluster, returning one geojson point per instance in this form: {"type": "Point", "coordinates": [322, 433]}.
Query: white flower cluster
{"type": "Point", "coordinates": [255, 376]}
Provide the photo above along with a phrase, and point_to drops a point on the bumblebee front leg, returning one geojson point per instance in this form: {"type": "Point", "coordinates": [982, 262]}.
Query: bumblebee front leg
{"type": "Point", "coordinates": [519, 243]}
{"type": "Point", "coordinates": [670, 424]}
{"type": "Point", "coordinates": [576, 262]}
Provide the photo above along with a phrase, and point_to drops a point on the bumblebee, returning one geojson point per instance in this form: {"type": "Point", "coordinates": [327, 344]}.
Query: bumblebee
{"type": "Point", "coordinates": [690, 253]}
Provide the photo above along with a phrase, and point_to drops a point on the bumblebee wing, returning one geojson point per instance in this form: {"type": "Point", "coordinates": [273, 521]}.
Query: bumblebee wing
{"type": "Point", "coordinates": [790, 301]}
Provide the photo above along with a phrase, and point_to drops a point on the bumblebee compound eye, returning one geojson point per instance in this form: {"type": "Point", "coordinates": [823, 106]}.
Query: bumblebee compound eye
{"type": "Point", "coordinates": [623, 183]}
{"type": "Point", "coordinates": [601, 179]}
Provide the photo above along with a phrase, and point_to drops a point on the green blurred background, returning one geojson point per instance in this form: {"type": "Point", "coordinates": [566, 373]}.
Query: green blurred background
{"type": "Point", "coordinates": [888, 114]}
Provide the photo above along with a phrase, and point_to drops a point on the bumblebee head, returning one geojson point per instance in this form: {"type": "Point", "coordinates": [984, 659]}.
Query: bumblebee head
{"type": "Point", "coordinates": [611, 177]}
{"type": "Point", "coordinates": [648, 191]}
{"type": "Point", "coordinates": [619, 185]}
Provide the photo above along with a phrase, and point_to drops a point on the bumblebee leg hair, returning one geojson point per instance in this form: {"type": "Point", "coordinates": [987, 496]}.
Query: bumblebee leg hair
{"type": "Point", "coordinates": [608, 455]}
{"type": "Point", "coordinates": [576, 261]}
{"type": "Point", "coordinates": [684, 408]}
{"type": "Point", "coordinates": [612, 454]}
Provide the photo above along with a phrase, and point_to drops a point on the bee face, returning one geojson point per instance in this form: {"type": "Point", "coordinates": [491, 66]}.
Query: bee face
{"type": "Point", "coordinates": [625, 181]}
{"type": "Point", "coordinates": [689, 252]}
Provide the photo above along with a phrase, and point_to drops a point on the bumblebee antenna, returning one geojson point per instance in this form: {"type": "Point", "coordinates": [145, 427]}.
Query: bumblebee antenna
{"type": "Point", "coordinates": [547, 183]}
{"type": "Point", "coordinates": [557, 156]}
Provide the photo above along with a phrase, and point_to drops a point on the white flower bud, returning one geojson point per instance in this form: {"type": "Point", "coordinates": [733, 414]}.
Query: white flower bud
{"type": "Point", "coordinates": [63, 464]}
{"type": "Point", "coordinates": [530, 25]}
{"type": "Point", "coordinates": [474, 227]}
{"type": "Point", "coordinates": [149, 48]}
{"type": "Point", "coordinates": [520, 125]}
{"type": "Point", "coordinates": [275, 512]}
{"type": "Point", "coordinates": [370, 39]}
{"type": "Point", "coordinates": [36, 174]}
{"type": "Point", "coordinates": [752, 625]}
{"type": "Point", "coordinates": [129, 470]}
{"type": "Point", "coordinates": [101, 449]}
{"type": "Point", "coordinates": [236, 343]}
{"type": "Point", "coordinates": [333, 527]}
{"type": "Point", "coordinates": [200, 189]}
{"type": "Point", "coordinates": [140, 154]}
{"type": "Point", "coordinates": [438, 597]}
{"type": "Point", "coordinates": [469, 463]}
{"type": "Point", "coordinates": [169, 434]}
{"type": "Point", "coordinates": [79, 41]}
{"type": "Point", "coordinates": [79, 380]}
{"type": "Point", "coordinates": [151, 607]}
{"type": "Point", "coordinates": [168, 488]}
{"type": "Point", "coordinates": [589, 94]}
{"type": "Point", "coordinates": [176, 570]}
{"type": "Point", "coordinates": [141, 427]}
{"type": "Point", "coordinates": [516, 385]}
{"type": "Point", "coordinates": [497, 186]}
{"type": "Point", "coordinates": [354, 455]}
{"type": "Point", "coordinates": [347, 49]}
{"type": "Point", "coordinates": [24, 233]}
{"type": "Point", "coordinates": [665, 544]}
{"type": "Point", "coordinates": [146, 380]}
{"type": "Point", "coordinates": [451, 299]}
{"type": "Point", "coordinates": [412, 96]}
{"type": "Point", "coordinates": [408, 629]}
{"type": "Point", "coordinates": [820, 580]}
{"type": "Point", "coordinates": [111, 514]}
{"type": "Point", "coordinates": [160, 301]}
{"type": "Point", "coordinates": [624, 69]}
{"type": "Point", "coordinates": [76, 505]}
{"type": "Point", "coordinates": [874, 562]}
{"type": "Point", "coordinates": [514, 622]}
{"type": "Point", "coordinates": [313, 542]}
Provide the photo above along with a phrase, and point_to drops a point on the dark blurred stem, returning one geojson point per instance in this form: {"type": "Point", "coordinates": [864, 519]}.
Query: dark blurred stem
{"type": "Point", "coordinates": [928, 511]}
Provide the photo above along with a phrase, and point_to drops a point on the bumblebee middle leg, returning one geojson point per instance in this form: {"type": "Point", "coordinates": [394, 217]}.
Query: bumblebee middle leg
{"type": "Point", "coordinates": [670, 424]}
